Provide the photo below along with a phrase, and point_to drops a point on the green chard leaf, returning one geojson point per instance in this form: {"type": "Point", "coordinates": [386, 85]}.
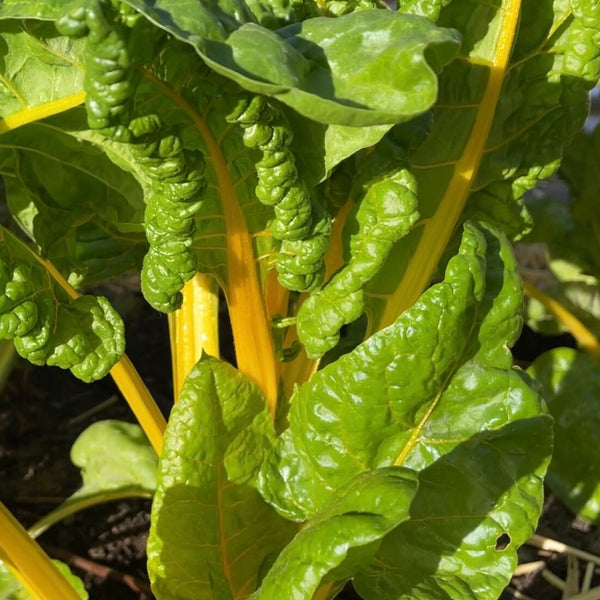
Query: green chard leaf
{"type": "Point", "coordinates": [571, 385]}
{"type": "Point", "coordinates": [443, 359]}
{"type": "Point", "coordinates": [52, 72]}
{"type": "Point", "coordinates": [330, 70]}
{"type": "Point", "coordinates": [83, 334]}
{"type": "Point", "coordinates": [114, 455]}
{"type": "Point", "coordinates": [385, 214]}
{"type": "Point", "coordinates": [83, 211]}
{"type": "Point", "coordinates": [11, 589]}
{"type": "Point", "coordinates": [216, 439]}
{"type": "Point", "coordinates": [342, 536]}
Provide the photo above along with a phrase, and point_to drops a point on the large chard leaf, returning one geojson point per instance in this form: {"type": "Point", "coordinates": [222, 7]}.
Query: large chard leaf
{"type": "Point", "coordinates": [571, 387]}
{"type": "Point", "coordinates": [218, 434]}
{"type": "Point", "coordinates": [365, 68]}
{"type": "Point", "coordinates": [506, 108]}
{"type": "Point", "coordinates": [342, 536]}
{"type": "Point", "coordinates": [447, 396]}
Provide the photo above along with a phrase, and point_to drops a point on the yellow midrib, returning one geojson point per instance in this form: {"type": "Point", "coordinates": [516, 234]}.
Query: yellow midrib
{"type": "Point", "coordinates": [254, 348]}
{"type": "Point", "coordinates": [42, 111]}
{"type": "Point", "coordinates": [438, 230]}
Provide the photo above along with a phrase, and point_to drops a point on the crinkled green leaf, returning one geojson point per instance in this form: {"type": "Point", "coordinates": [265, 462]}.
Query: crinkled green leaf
{"type": "Point", "coordinates": [11, 589]}
{"type": "Point", "coordinates": [330, 70]}
{"type": "Point", "coordinates": [571, 387]}
{"type": "Point", "coordinates": [445, 388]}
{"type": "Point", "coordinates": [343, 535]}
{"type": "Point", "coordinates": [385, 215]}
{"type": "Point", "coordinates": [475, 506]}
{"type": "Point", "coordinates": [216, 439]}
{"type": "Point", "coordinates": [84, 334]}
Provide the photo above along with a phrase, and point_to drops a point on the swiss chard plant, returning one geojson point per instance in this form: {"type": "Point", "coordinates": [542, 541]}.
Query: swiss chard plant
{"type": "Point", "coordinates": [349, 176]}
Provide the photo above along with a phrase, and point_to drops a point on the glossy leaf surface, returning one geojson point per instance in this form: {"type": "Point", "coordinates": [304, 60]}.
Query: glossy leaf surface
{"type": "Point", "coordinates": [49, 326]}
{"type": "Point", "coordinates": [446, 395]}
{"type": "Point", "coordinates": [218, 434]}
{"type": "Point", "coordinates": [51, 72]}
{"type": "Point", "coordinates": [359, 515]}
{"type": "Point", "coordinates": [330, 70]}
{"type": "Point", "coordinates": [571, 387]}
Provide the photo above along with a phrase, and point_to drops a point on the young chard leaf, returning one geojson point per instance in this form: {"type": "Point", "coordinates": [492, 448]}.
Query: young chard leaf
{"type": "Point", "coordinates": [342, 536]}
{"type": "Point", "coordinates": [444, 358]}
{"type": "Point", "coordinates": [216, 439]}
{"type": "Point", "coordinates": [116, 461]}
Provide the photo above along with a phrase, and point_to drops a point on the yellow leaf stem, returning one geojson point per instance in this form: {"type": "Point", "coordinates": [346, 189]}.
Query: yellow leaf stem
{"type": "Point", "coordinates": [585, 338]}
{"type": "Point", "coordinates": [128, 380]}
{"type": "Point", "coordinates": [194, 328]}
{"type": "Point", "coordinates": [141, 402]}
{"type": "Point", "coordinates": [254, 347]}
{"type": "Point", "coordinates": [30, 564]}
{"type": "Point", "coordinates": [42, 111]}
{"type": "Point", "coordinates": [438, 230]}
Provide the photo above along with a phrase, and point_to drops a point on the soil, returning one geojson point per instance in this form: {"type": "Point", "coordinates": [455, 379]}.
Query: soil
{"type": "Point", "coordinates": [43, 410]}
